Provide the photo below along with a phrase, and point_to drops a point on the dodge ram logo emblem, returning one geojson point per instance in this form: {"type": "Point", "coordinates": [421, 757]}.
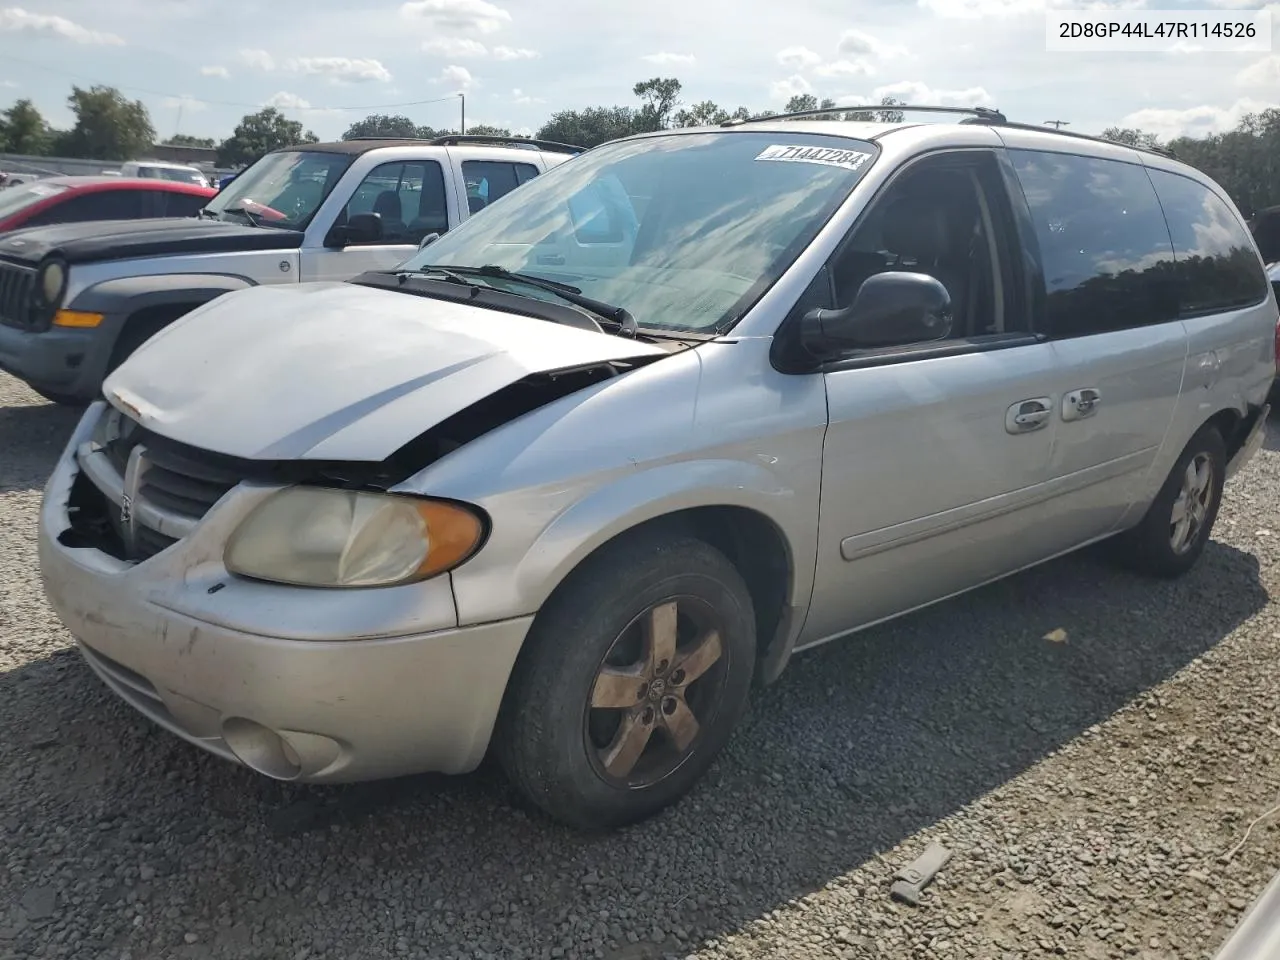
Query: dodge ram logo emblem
{"type": "Point", "coordinates": [126, 510]}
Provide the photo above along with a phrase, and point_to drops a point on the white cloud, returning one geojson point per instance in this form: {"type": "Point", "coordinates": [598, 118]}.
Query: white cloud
{"type": "Point", "coordinates": [978, 9]}
{"type": "Point", "coordinates": [514, 53]}
{"type": "Point", "coordinates": [459, 78]}
{"type": "Point", "coordinates": [9, 84]}
{"type": "Point", "coordinates": [479, 15]}
{"type": "Point", "coordinates": [17, 20]}
{"type": "Point", "coordinates": [521, 97]}
{"type": "Point", "coordinates": [1262, 73]}
{"type": "Point", "coordinates": [259, 59]}
{"type": "Point", "coordinates": [861, 44]}
{"type": "Point", "coordinates": [792, 86]}
{"type": "Point", "coordinates": [455, 48]}
{"type": "Point", "coordinates": [1195, 121]}
{"type": "Point", "coordinates": [844, 68]}
{"type": "Point", "coordinates": [215, 71]}
{"type": "Point", "coordinates": [664, 59]}
{"type": "Point", "coordinates": [287, 101]}
{"type": "Point", "coordinates": [187, 102]}
{"type": "Point", "coordinates": [913, 91]}
{"type": "Point", "coordinates": [340, 69]}
{"type": "Point", "coordinates": [797, 58]}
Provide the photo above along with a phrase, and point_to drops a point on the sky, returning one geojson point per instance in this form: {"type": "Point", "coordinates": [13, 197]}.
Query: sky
{"type": "Point", "coordinates": [199, 66]}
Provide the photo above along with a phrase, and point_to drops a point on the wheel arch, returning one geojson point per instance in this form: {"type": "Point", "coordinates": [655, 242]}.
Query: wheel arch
{"type": "Point", "coordinates": [736, 519]}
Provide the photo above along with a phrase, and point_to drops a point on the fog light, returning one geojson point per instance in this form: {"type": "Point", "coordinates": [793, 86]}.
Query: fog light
{"type": "Point", "coordinates": [261, 749]}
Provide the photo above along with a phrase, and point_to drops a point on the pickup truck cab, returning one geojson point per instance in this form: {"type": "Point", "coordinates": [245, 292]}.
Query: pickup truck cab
{"type": "Point", "coordinates": [77, 299]}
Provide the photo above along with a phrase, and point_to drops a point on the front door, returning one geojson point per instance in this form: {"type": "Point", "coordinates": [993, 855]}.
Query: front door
{"type": "Point", "coordinates": [936, 455]}
{"type": "Point", "coordinates": [409, 199]}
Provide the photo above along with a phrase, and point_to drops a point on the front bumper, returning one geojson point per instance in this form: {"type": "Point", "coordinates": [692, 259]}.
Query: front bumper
{"type": "Point", "coordinates": [298, 684]}
{"type": "Point", "coordinates": [70, 361]}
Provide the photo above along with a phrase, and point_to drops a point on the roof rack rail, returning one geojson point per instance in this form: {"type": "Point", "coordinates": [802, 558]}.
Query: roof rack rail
{"type": "Point", "coordinates": [551, 146]}
{"type": "Point", "coordinates": [979, 113]}
{"type": "Point", "coordinates": [1159, 151]}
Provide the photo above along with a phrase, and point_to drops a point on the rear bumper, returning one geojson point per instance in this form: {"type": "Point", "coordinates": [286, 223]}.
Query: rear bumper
{"type": "Point", "coordinates": [1253, 441]}
{"type": "Point", "coordinates": [62, 360]}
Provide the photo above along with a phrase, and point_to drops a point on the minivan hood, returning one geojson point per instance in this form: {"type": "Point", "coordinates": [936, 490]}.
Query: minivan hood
{"type": "Point", "coordinates": [125, 239]}
{"type": "Point", "coordinates": [334, 371]}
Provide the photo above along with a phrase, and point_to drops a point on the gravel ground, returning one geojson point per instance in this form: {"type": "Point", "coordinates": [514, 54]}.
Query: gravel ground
{"type": "Point", "coordinates": [1088, 786]}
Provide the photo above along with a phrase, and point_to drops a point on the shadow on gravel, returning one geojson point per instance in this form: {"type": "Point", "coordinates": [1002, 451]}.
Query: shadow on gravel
{"type": "Point", "coordinates": [861, 744]}
{"type": "Point", "coordinates": [31, 438]}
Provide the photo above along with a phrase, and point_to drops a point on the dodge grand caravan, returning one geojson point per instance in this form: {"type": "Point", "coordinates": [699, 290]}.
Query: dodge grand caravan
{"type": "Point", "coordinates": [568, 480]}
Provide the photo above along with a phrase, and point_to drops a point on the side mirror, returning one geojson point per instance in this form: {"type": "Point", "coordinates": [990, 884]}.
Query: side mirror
{"type": "Point", "coordinates": [890, 309]}
{"type": "Point", "coordinates": [429, 239]}
{"type": "Point", "coordinates": [360, 228]}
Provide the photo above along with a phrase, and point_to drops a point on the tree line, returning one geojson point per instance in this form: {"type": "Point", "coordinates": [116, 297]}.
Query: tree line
{"type": "Point", "coordinates": [109, 126]}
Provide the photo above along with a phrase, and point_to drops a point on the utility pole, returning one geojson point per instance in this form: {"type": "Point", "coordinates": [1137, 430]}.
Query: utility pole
{"type": "Point", "coordinates": [463, 126]}
{"type": "Point", "coordinates": [178, 128]}
{"type": "Point", "coordinates": [1057, 124]}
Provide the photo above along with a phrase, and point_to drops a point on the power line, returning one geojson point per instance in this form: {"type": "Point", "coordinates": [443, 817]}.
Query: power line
{"type": "Point", "coordinates": [223, 103]}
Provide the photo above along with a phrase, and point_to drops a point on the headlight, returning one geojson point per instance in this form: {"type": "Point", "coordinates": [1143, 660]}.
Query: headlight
{"type": "Point", "coordinates": [53, 280]}
{"type": "Point", "coordinates": [319, 537]}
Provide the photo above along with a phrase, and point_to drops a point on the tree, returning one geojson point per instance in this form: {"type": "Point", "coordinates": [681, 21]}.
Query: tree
{"type": "Point", "coordinates": [590, 127]}
{"type": "Point", "coordinates": [800, 103]}
{"type": "Point", "coordinates": [23, 130]}
{"type": "Point", "coordinates": [186, 140]}
{"type": "Point", "coordinates": [704, 114]}
{"type": "Point", "coordinates": [259, 133]}
{"type": "Point", "coordinates": [485, 130]}
{"type": "Point", "coordinates": [1131, 137]}
{"type": "Point", "coordinates": [383, 125]}
{"type": "Point", "coordinates": [108, 125]}
{"type": "Point", "coordinates": [659, 96]}
{"type": "Point", "coordinates": [883, 116]}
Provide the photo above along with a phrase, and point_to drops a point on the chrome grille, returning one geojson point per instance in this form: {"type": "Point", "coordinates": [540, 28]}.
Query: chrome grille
{"type": "Point", "coordinates": [17, 286]}
{"type": "Point", "coordinates": [155, 495]}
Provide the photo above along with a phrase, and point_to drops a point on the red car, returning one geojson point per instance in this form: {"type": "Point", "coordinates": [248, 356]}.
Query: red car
{"type": "Point", "coordinates": [38, 203]}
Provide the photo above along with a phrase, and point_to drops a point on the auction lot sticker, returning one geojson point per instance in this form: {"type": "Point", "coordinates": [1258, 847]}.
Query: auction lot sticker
{"type": "Point", "coordinates": [1158, 31]}
{"type": "Point", "coordinates": [830, 156]}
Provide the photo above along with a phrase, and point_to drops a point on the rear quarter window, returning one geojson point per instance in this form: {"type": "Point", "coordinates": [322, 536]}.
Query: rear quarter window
{"type": "Point", "coordinates": [1217, 263]}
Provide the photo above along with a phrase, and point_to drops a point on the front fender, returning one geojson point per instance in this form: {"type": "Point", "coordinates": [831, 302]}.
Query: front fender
{"type": "Point", "coordinates": [126, 295]}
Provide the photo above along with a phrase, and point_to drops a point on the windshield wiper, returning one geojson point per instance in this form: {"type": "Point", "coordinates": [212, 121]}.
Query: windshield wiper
{"type": "Point", "coordinates": [244, 213]}
{"type": "Point", "coordinates": [626, 323]}
{"type": "Point", "coordinates": [208, 214]}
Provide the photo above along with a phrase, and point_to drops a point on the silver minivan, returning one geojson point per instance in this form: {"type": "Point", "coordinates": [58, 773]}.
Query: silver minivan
{"type": "Point", "coordinates": [570, 479]}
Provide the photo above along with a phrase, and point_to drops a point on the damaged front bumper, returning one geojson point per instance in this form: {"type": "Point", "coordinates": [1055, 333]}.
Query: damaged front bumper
{"type": "Point", "coordinates": [296, 683]}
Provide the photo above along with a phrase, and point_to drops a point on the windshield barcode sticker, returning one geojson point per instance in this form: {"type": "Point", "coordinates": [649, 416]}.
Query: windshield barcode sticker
{"type": "Point", "coordinates": [831, 156]}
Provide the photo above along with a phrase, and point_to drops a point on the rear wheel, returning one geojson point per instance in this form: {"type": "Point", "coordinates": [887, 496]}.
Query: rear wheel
{"type": "Point", "coordinates": [637, 671]}
{"type": "Point", "coordinates": [1179, 522]}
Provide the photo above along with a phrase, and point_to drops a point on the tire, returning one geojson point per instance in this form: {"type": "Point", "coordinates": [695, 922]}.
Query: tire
{"type": "Point", "coordinates": [1155, 546]}
{"type": "Point", "coordinates": [556, 749]}
{"type": "Point", "coordinates": [62, 399]}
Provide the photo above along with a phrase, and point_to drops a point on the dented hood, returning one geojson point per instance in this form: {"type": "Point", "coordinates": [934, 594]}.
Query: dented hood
{"type": "Point", "coordinates": [333, 371]}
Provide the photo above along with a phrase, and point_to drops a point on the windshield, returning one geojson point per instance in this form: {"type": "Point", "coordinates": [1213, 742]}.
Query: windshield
{"type": "Point", "coordinates": [16, 199]}
{"type": "Point", "coordinates": [281, 190]}
{"type": "Point", "coordinates": [684, 231]}
{"type": "Point", "coordinates": [179, 175]}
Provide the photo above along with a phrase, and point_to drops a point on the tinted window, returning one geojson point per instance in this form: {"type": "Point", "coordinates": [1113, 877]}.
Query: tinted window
{"type": "Point", "coordinates": [1108, 262]}
{"type": "Point", "coordinates": [1217, 267]}
{"type": "Point", "coordinates": [487, 180]}
{"type": "Point", "coordinates": [409, 197]}
{"type": "Point", "coordinates": [168, 204]}
{"type": "Point", "coordinates": [107, 205]}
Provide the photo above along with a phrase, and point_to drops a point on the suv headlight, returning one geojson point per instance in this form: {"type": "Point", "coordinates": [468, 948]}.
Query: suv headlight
{"type": "Point", "coordinates": [52, 283]}
{"type": "Point", "coordinates": [321, 537]}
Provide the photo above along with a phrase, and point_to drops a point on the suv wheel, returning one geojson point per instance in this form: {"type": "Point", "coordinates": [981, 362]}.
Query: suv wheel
{"type": "Point", "coordinates": [637, 671]}
{"type": "Point", "coordinates": [1177, 525]}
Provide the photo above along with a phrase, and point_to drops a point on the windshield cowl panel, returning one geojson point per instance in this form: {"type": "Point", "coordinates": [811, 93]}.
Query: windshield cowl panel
{"type": "Point", "coordinates": [283, 189]}
{"type": "Point", "coordinates": [682, 231]}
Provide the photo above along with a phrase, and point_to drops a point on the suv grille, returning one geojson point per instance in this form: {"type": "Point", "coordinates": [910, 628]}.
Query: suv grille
{"type": "Point", "coordinates": [149, 494]}
{"type": "Point", "coordinates": [17, 284]}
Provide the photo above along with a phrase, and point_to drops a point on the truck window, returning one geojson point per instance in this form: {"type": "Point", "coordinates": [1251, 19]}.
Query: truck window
{"type": "Point", "coordinates": [487, 180]}
{"type": "Point", "coordinates": [408, 196]}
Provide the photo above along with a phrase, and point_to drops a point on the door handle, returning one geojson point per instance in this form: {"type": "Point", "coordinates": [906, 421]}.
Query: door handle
{"type": "Point", "coordinates": [1081, 403]}
{"type": "Point", "coordinates": [1028, 415]}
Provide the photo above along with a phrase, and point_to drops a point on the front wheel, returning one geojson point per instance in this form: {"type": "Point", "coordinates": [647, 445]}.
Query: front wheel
{"type": "Point", "coordinates": [1177, 525]}
{"type": "Point", "coordinates": [637, 671]}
